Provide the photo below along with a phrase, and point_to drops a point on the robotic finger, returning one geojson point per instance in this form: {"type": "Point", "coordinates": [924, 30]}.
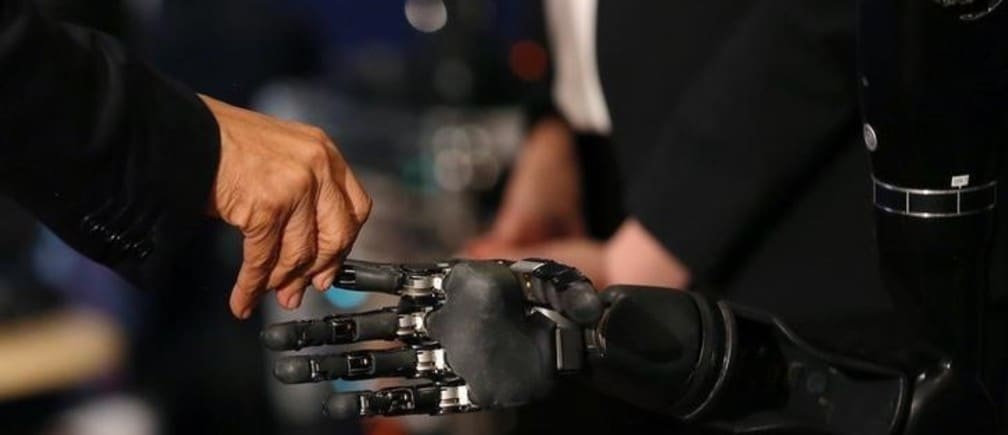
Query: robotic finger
{"type": "Point", "coordinates": [395, 279]}
{"type": "Point", "coordinates": [355, 365]}
{"type": "Point", "coordinates": [431, 399]}
{"type": "Point", "coordinates": [419, 288]}
{"type": "Point", "coordinates": [339, 329]}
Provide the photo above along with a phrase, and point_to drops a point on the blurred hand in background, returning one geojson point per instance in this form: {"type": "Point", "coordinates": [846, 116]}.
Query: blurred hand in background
{"type": "Point", "coordinates": [542, 200]}
{"type": "Point", "coordinates": [541, 213]}
{"type": "Point", "coordinates": [542, 216]}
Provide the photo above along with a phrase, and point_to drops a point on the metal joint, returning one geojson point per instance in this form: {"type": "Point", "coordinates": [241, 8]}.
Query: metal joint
{"type": "Point", "coordinates": [455, 399]}
{"type": "Point", "coordinates": [431, 361]}
{"type": "Point", "coordinates": [934, 203]}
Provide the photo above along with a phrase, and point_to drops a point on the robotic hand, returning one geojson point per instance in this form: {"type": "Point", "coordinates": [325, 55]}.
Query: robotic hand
{"type": "Point", "coordinates": [476, 335]}
{"type": "Point", "coordinates": [490, 334]}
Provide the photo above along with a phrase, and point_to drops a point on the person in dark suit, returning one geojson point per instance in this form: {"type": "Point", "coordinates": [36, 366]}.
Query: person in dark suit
{"type": "Point", "coordinates": [736, 136]}
{"type": "Point", "coordinates": [123, 164]}
{"type": "Point", "coordinates": [735, 132]}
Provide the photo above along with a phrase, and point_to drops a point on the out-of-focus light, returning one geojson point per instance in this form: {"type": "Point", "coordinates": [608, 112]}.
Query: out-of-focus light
{"type": "Point", "coordinates": [464, 158]}
{"type": "Point", "coordinates": [527, 60]}
{"type": "Point", "coordinates": [427, 16]}
{"type": "Point", "coordinates": [115, 415]}
{"type": "Point", "coordinates": [453, 169]}
{"type": "Point", "coordinates": [341, 298]}
{"type": "Point", "coordinates": [453, 79]}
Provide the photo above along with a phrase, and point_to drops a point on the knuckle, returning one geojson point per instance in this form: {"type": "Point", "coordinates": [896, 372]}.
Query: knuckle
{"type": "Point", "coordinates": [281, 179]}
{"type": "Point", "coordinates": [344, 242]}
{"type": "Point", "coordinates": [300, 179]}
{"type": "Point", "coordinates": [317, 133]}
{"type": "Point", "coordinates": [272, 205]}
{"type": "Point", "coordinates": [335, 243]}
{"type": "Point", "coordinates": [277, 193]}
{"type": "Point", "coordinates": [282, 195]}
{"type": "Point", "coordinates": [326, 257]}
{"type": "Point", "coordinates": [299, 259]}
{"type": "Point", "coordinates": [250, 289]}
{"type": "Point", "coordinates": [363, 207]}
{"type": "Point", "coordinates": [325, 250]}
{"type": "Point", "coordinates": [257, 259]}
{"type": "Point", "coordinates": [308, 254]}
{"type": "Point", "coordinates": [318, 155]}
{"type": "Point", "coordinates": [258, 227]}
{"type": "Point", "coordinates": [273, 208]}
{"type": "Point", "coordinates": [242, 287]}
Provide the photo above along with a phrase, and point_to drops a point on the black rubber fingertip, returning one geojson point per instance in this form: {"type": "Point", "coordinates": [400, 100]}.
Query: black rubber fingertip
{"type": "Point", "coordinates": [293, 370]}
{"type": "Point", "coordinates": [375, 278]}
{"type": "Point", "coordinates": [582, 304]}
{"type": "Point", "coordinates": [280, 337]}
{"type": "Point", "coordinates": [342, 406]}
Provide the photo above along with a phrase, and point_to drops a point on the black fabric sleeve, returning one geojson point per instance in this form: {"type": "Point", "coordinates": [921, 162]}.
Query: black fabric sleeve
{"type": "Point", "coordinates": [772, 105]}
{"type": "Point", "coordinates": [115, 159]}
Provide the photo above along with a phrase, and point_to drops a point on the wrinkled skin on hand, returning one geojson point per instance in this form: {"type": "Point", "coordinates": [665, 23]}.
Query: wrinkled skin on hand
{"type": "Point", "coordinates": [286, 187]}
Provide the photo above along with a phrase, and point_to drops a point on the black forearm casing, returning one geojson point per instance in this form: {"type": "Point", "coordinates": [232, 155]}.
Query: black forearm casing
{"type": "Point", "coordinates": [648, 343]}
{"type": "Point", "coordinates": [735, 369]}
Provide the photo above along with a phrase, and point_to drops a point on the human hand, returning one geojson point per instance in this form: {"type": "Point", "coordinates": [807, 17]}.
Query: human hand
{"type": "Point", "coordinates": [632, 256]}
{"type": "Point", "coordinates": [543, 196]}
{"type": "Point", "coordinates": [286, 187]}
{"type": "Point", "coordinates": [582, 253]}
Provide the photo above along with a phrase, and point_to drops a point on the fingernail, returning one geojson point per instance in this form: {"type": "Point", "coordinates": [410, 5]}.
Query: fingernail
{"type": "Point", "coordinates": [246, 314]}
{"type": "Point", "coordinates": [321, 283]}
{"type": "Point", "coordinates": [294, 301]}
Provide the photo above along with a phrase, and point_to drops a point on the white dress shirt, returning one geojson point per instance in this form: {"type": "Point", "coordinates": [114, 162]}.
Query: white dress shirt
{"type": "Point", "coordinates": [577, 91]}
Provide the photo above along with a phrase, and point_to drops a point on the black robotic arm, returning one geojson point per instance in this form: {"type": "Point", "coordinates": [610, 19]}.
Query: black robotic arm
{"type": "Point", "coordinates": [491, 334]}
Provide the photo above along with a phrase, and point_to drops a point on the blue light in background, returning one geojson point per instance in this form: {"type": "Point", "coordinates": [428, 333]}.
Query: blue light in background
{"type": "Point", "coordinates": [346, 299]}
{"type": "Point", "coordinates": [342, 298]}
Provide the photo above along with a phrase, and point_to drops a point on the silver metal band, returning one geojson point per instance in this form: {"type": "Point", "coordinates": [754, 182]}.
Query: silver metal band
{"type": "Point", "coordinates": [979, 14]}
{"type": "Point", "coordinates": [934, 203]}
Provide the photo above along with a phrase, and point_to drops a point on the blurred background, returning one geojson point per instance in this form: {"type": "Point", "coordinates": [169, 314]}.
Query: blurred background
{"type": "Point", "coordinates": [429, 100]}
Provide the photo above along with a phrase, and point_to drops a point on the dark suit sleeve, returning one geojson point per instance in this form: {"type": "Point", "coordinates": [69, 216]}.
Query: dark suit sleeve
{"type": "Point", "coordinates": [773, 103]}
{"type": "Point", "coordinates": [114, 158]}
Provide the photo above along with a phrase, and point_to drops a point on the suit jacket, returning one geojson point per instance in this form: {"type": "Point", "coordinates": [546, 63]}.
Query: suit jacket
{"type": "Point", "coordinates": [115, 159]}
{"type": "Point", "coordinates": [735, 134]}
{"type": "Point", "coordinates": [736, 126]}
